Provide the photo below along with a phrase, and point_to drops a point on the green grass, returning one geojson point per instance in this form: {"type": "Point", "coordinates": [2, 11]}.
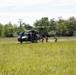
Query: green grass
{"type": "Point", "coordinates": [37, 58]}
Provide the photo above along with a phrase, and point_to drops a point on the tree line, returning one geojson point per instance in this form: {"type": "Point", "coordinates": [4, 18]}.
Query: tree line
{"type": "Point", "coordinates": [50, 27]}
{"type": "Point", "coordinates": [58, 27]}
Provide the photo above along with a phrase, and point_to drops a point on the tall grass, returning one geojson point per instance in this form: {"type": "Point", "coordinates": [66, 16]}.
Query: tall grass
{"type": "Point", "coordinates": [37, 58]}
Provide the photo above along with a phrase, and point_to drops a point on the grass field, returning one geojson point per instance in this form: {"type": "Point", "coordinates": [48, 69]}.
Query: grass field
{"type": "Point", "coordinates": [49, 58]}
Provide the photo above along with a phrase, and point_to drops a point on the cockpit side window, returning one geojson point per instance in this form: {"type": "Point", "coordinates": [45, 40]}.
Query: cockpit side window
{"type": "Point", "coordinates": [20, 34]}
{"type": "Point", "coordinates": [25, 34]}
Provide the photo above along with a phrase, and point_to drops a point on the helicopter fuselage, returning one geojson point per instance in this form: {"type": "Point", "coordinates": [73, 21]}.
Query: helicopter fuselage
{"type": "Point", "coordinates": [29, 35]}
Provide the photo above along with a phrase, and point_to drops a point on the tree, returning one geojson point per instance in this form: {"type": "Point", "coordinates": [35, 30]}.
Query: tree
{"type": "Point", "coordinates": [42, 25]}
{"type": "Point", "coordinates": [61, 27]}
{"type": "Point", "coordinates": [16, 29]}
{"type": "Point", "coordinates": [1, 30]}
{"type": "Point", "coordinates": [21, 26]}
{"type": "Point", "coordinates": [53, 24]}
{"type": "Point", "coordinates": [20, 23]}
{"type": "Point", "coordinates": [9, 30]}
{"type": "Point", "coordinates": [72, 24]}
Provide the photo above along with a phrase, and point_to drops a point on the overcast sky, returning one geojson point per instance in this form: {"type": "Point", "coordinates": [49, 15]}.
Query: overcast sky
{"type": "Point", "coordinates": [31, 10]}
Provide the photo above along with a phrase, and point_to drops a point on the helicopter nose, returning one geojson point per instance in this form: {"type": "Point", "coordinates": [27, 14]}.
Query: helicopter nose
{"type": "Point", "coordinates": [18, 36]}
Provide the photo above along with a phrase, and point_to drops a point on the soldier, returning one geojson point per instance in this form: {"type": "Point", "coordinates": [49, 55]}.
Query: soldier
{"type": "Point", "coordinates": [46, 39]}
{"type": "Point", "coordinates": [34, 36]}
{"type": "Point", "coordinates": [29, 36]}
{"type": "Point", "coordinates": [42, 39]}
{"type": "Point", "coordinates": [55, 38]}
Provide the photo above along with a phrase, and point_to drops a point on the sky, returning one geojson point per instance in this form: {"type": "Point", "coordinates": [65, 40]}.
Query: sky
{"type": "Point", "coordinates": [31, 10]}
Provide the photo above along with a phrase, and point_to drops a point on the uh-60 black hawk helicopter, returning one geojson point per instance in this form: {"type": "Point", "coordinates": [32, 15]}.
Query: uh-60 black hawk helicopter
{"type": "Point", "coordinates": [29, 35]}
{"type": "Point", "coordinates": [32, 35]}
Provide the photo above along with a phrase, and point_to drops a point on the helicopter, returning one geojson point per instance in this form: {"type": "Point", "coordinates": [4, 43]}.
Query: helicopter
{"type": "Point", "coordinates": [33, 35]}
{"type": "Point", "coordinates": [29, 35]}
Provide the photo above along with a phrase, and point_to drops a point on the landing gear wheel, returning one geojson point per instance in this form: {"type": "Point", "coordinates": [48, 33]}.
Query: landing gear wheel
{"type": "Point", "coordinates": [21, 41]}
